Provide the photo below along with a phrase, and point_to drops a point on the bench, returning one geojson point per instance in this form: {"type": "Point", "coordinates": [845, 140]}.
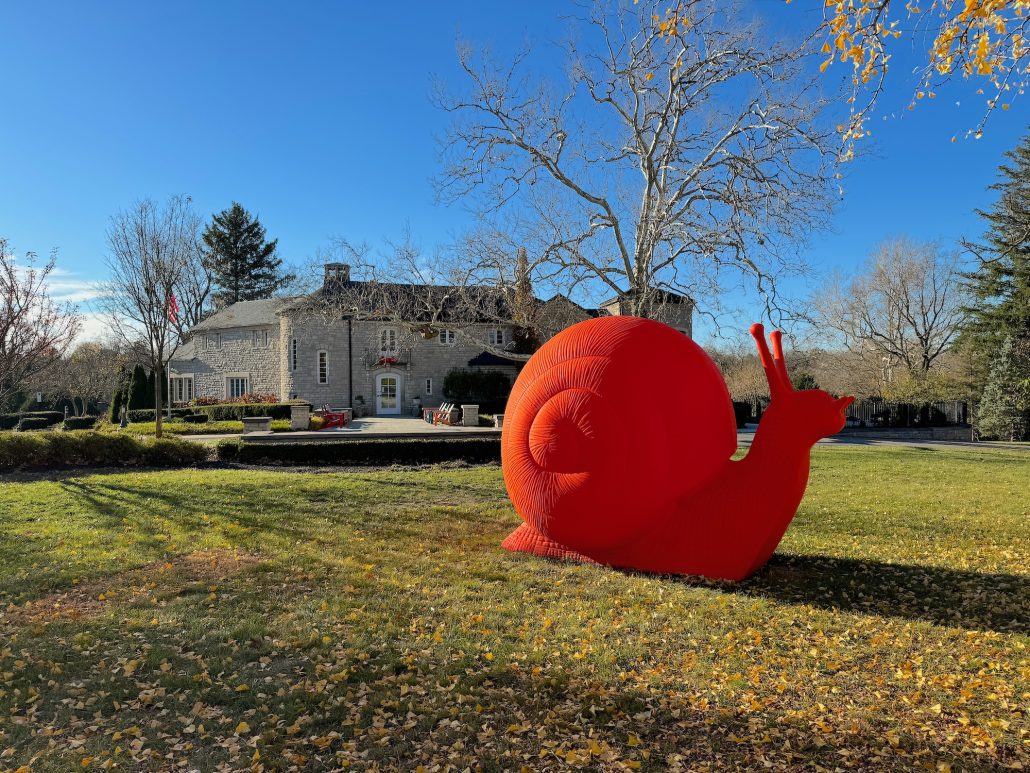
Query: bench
{"type": "Point", "coordinates": [256, 424]}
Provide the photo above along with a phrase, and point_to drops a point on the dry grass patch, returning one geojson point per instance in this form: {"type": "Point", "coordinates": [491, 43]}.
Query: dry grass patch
{"type": "Point", "coordinates": [159, 579]}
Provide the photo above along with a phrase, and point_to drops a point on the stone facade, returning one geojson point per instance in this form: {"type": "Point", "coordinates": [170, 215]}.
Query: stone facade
{"type": "Point", "coordinates": [232, 353]}
{"type": "Point", "coordinates": [295, 353]}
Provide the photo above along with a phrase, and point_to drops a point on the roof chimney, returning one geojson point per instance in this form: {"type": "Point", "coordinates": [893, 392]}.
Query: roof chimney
{"type": "Point", "coordinates": [336, 274]}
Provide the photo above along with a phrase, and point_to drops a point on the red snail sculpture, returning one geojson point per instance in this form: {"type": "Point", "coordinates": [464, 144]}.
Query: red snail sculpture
{"type": "Point", "coordinates": [617, 445]}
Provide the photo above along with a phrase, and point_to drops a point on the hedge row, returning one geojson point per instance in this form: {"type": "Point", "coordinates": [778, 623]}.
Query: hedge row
{"type": "Point", "coordinates": [364, 452]}
{"type": "Point", "coordinates": [80, 422]}
{"type": "Point", "coordinates": [48, 419]}
{"type": "Point", "coordinates": [88, 449]}
{"type": "Point", "coordinates": [221, 412]}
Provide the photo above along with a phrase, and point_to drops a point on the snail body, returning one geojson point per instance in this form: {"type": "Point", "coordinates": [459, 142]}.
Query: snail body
{"type": "Point", "coordinates": [617, 446]}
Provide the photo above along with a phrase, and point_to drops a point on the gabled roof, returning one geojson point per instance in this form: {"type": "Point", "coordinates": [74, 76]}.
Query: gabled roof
{"type": "Point", "coordinates": [244, 314]}
{"type": "Point", "coordinates": [489, 358]}
{"type": "Point", "coordinates": [186, 351]}
{"type": "Point", "coordinates": [657, 296]}
{"type": "Point", "coordinates": [415, 303]}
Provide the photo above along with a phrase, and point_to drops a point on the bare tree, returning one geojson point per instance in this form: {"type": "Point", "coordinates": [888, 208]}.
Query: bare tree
{"type": "Point", "coordinates": [88, 375]}
{"type": "Point", "coordinates": [155, 292]}
{"type": "Point", "coordinates": [903, 310]}
{"type": "Point", "coordinates": [34, 329]}
{"type": "Point", "coordinates": [688, 158]}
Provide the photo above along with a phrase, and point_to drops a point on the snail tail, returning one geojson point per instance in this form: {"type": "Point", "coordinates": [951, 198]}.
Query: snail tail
{"type": "Point", "coordinates": [526, 539]}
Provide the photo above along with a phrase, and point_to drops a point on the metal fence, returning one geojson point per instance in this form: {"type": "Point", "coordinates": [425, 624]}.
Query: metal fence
{"type": "Point", "coordinates": [881, 413]}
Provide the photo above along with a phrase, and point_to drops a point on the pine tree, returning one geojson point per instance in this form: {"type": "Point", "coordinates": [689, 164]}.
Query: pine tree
{"type": "Point", "coordinates": [1000, 286]}
{"type": "Point", "coordinates": [1003, 407]}
{"type": "Point", "coordinates": [119, 396]}
{"type": "Point", "coordinates": [243, 266]}
{"type": "Point", "coordinates": [525, 335]}
{"type": "Point", "coordinates": [151, 379]}
{"type": "Point", "coordinates": [137, 390]}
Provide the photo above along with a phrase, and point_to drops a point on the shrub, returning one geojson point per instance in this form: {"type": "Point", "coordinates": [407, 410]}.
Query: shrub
{"type": "Point", "coordinates": [742, 413]}
{"type": "Point", "coordinates": [147, 414]}
{"type": "Point", "coordinates": [95, 449]}
{"type": "Point", "coordinates": [248, 399]}
{"type": "Point", "coordinates": [29, 423]}
{"type": "Point", "coordinates": [80, 422]}
{"type": "Point", "coordinates": [228, 450]}
{"type": "Point", "coordinates": [171, 452]}
{"type": "Point", "coordinates": [9, 420]}
{"type": "Point", "coordinates": [316, 423]}
{"type": "Point", "coordinates": [364, 452]}
{"type": "Point", "coordinates": [196, 418]}
{"type": "Point", "coordinates": [237, 411]}
{"type": "Point", "coordinates": [52, 417]}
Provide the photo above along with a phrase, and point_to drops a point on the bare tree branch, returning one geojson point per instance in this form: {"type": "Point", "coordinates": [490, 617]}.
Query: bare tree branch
{"type": "Point", "coordinates": [34, 329]}
{"type": "Point", "coordinates": [671, 162]}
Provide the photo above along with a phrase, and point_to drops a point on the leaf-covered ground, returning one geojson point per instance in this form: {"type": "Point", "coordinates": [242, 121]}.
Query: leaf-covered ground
{"type": "Point", "coordinates": [273, 620]}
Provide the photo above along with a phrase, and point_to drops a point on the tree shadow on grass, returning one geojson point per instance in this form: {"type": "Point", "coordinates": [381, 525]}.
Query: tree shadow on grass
{"type": "Point", "coordinates": [951, 597]}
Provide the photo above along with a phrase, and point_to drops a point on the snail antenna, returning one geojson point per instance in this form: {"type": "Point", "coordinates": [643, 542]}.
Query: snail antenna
{"type": "Point", "coordinates": [778, 383]}
{"type": "Point", "coordinates": [778, 358]}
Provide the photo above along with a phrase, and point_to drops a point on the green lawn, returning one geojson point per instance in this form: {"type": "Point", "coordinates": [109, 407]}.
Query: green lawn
{"type": "Point", "coordinates": [279, 620]}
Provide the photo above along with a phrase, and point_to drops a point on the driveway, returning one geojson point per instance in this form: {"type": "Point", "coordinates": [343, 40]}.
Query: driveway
{"type": "Point", "coordinates": [746, 436]}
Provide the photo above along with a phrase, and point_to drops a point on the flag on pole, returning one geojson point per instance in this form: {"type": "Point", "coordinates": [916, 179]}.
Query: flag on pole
{"type": "Point", "coordinates": [173, 308]}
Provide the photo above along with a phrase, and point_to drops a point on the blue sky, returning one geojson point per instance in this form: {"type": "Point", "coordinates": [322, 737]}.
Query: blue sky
{"type": "Point", "coordinates": [317, 117]}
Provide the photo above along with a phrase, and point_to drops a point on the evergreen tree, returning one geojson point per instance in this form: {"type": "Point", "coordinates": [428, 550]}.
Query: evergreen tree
{"type": "Point", "coordinates": [525, 335]}
{"type": "Point", "coordinates": [118, 398]}
{"type": "Point", "coordinates": [1003, 408]}
{"type": "Point", "coordinates": [243, 266]}
{"type": "Point", "coordinates": [1000, 286]}
{"type": "Point", "coordinates": [138, 389]}
{"type": "Point", "coordinates": [804, 380]}
{"type": "Point", "coordinates": [151, 379]}
{"type": "Point", "coordinates": [114, 412]}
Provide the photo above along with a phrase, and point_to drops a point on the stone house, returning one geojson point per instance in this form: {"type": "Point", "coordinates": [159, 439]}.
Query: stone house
{"type": "Point", "coordinates": [331, 347]}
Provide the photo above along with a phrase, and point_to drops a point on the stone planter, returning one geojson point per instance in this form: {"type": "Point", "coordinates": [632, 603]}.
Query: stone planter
{"type": "Point", "coordinates": [499, 420]}
{"type": "Point", "coordinates": [470, 415]}
{"type": "Point", "coordinates": [300, 416]}
{"type": "Point", "coordinates": [257, 424]}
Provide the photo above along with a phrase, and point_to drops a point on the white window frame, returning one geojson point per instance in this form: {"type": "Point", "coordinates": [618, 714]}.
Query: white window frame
{"type": "Point", "coordinates": [429, 386]}
{"type": "Point", "coordinates": [229, 377]}
{"type": "Point", "coordinates": [214, 340]}
{"type": "Point", "coordinates": [261, 339]}
{"type": "Point", "coordinates": [322, 363]}
{"type": "Point", "coordinates": [177, 388]}
{"type": "Point", "coordinates": [385, 334]}
{"type": "Point", "coordinates": [293, 355]}
{"type": "Point", "coordinates": [496, 336]}
{"type": "Point", "coordinates": [447, 337]}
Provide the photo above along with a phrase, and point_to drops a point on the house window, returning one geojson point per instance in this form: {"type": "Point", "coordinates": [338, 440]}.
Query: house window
{"type": "Point", "coordinates": [236, 386]}
{"type": "Point", "coordinates": [323, 367]}
{"type": "Point", "coordinates": [496, 337]}
{"type": "Point", "coordinates": [214, 341]}
{"type": "Point", "coordinates": [429, 386]}
{"type": "Point", "coordinates": [447, 337]}
{"type": "Point", "coordinates": [260, 339]}
{"type": "Point", "coordinates": [388, 341]}
{"type": "Point", "coordinates": [293, 354]}
{"type": "Point", "coordinates": [181, 389]}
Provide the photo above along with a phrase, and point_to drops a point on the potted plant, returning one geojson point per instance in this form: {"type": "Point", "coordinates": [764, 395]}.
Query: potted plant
{"type": "Point", "coordinates": [359, 406]}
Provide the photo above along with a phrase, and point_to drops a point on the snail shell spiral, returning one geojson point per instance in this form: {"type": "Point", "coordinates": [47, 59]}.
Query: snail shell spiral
{"type": "Point", "coordinates": [607, 423]}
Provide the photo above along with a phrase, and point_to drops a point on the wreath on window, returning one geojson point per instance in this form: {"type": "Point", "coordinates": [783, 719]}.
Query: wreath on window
{"type": "Point", "coordinates": [387, 361]}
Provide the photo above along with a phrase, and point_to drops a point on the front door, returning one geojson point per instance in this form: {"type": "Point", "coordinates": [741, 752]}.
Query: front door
{"type": "Point", "coordinates": [388, 394]}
